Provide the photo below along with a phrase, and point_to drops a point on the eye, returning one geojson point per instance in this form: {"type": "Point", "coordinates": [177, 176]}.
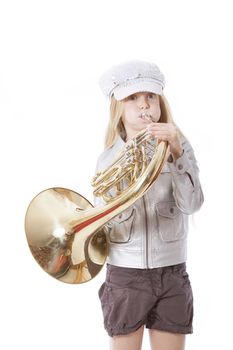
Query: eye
{"type": "Point", "coordinates": [132, 97]}
{"type": "Point", "coordinates": [151, 96]}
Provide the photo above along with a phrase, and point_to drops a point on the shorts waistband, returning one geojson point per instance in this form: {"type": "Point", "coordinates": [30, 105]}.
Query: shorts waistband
{"type": "Point", "coordinates": [176, 267]}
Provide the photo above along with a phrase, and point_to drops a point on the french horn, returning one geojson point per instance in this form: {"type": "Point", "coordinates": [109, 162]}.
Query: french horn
{"type": "Point", "coordinates": [67, 235]}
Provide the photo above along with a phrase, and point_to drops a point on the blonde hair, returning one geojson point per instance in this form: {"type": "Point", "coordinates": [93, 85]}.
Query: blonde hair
{"type": "Point", "coordinates": [116, 127]}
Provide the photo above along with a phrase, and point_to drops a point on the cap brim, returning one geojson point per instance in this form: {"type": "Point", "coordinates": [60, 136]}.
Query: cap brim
{"type": "Point", "coordinates": [122, 92]}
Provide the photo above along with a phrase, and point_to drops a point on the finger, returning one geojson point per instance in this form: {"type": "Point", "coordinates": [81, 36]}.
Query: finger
{"type": "Point", "coordinates": [158, 133]}
{"type": "Point", "coordinates": [159, 126]}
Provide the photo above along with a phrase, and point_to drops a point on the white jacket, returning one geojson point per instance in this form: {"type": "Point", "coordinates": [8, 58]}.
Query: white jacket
{"type": "Point", "coordinates": [153, 231]}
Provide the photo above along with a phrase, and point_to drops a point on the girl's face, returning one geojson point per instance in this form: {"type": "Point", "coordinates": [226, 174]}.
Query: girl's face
{"type": "Point", "coordinates": [139, 110]}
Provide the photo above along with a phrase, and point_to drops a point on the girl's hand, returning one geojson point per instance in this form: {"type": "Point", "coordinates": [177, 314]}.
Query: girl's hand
{"type": "Point", "coordinates": [167, 132]}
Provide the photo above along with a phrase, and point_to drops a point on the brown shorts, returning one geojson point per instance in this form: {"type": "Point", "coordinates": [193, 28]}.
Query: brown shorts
{"type": "Point", "coordinates": [159, 298]}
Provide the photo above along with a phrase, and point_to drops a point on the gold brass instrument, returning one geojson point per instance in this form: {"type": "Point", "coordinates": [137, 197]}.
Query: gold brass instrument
{"type": "Point", "coordinates": [67, 235]}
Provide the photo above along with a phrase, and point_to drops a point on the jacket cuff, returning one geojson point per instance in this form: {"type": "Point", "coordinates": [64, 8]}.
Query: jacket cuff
{"type": "Point", "coordinates": [180, 165]}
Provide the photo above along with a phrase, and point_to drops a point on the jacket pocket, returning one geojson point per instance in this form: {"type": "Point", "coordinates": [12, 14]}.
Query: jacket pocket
{"type": "Point", "coordinates": [121, 227]}
{"type": "Point", "coordinates": [170, 221]}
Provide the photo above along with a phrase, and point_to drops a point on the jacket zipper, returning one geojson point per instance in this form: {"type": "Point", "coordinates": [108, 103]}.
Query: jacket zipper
{"type": "Point", "coordinates": [146, 226]}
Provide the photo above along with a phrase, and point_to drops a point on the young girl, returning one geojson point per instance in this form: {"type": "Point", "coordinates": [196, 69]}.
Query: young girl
{"type": "Point", "coordinates": [146, 282]}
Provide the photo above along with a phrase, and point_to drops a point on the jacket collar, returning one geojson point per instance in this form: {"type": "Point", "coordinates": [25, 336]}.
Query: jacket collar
{"type": "Point", "coordinates": [118, 145]}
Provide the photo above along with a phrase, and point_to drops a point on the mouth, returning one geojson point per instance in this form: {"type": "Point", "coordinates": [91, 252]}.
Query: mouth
{"type": "Point", "coordinates": [145, 116]}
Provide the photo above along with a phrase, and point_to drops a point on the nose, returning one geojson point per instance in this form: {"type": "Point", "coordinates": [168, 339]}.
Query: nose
{"type": "Point", "coordinates": [143, 102]}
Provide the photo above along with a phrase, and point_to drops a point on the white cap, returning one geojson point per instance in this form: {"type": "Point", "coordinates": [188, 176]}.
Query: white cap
{"type": "Point", "coordinates": [131, 77]}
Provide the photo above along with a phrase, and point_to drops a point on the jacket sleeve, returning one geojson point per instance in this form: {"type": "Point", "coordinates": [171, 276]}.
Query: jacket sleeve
{"type": "Point", "coordinates": [186, 185]}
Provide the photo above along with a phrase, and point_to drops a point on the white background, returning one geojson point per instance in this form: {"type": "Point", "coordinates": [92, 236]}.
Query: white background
{"type": "Point", "coordinates": [53, 119]}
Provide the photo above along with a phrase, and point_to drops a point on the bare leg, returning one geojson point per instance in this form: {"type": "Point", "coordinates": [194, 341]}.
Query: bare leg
{"type": "Point", "coordinates": [132, 341]}
{"type": "Point", "coordinates": [161, 340]}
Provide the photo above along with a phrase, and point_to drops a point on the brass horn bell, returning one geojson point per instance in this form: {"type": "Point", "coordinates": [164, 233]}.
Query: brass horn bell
{"type": "Point", "coordinates": [67, 235]}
